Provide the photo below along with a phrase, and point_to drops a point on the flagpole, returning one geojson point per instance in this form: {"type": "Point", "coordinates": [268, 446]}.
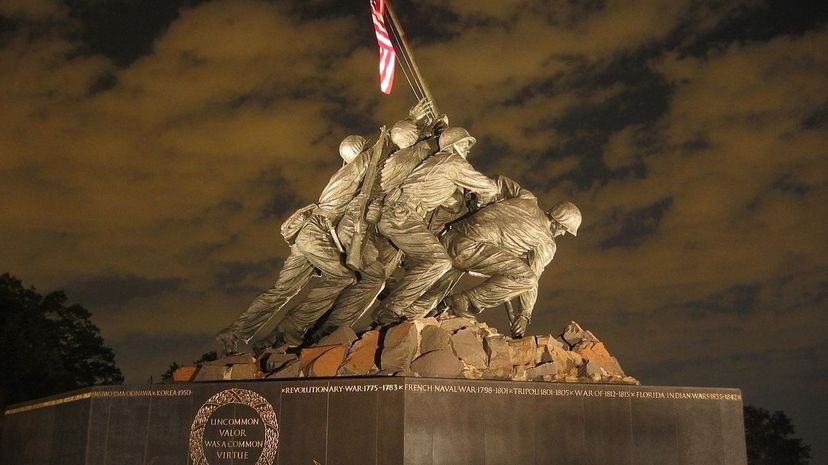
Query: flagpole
{"type": "Point", "coordinates": [409, 55]}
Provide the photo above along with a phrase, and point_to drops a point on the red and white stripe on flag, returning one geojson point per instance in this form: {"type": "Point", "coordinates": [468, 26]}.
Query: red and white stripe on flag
{"type": "Point", "coordinates": [387, 55]}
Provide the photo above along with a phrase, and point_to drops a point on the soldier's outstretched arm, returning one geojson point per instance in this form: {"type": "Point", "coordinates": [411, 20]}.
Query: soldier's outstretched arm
{"type": "Point", "coordinates": [467, 177]}
{"type": "Point", "coordinates": [539, 258]}
{"type": "Point", "coordinates": [510, 189]}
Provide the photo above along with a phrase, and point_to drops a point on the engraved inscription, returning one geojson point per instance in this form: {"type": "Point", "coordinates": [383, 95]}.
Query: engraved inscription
{"type": "Point", "coordinates": [546, 391]}
{"type": "Point", "coordinates": [234, 427]}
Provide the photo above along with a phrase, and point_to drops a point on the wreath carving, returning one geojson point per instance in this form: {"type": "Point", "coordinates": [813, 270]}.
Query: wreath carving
{"type": "Point", "coordinates": [235, 396]}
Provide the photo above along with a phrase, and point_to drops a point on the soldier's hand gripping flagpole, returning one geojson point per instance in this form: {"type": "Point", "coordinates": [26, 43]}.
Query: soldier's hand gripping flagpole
{"type": "Point", "coordinates": [408, 60]}
{"type": "Point", "coordinates": [388, 33]}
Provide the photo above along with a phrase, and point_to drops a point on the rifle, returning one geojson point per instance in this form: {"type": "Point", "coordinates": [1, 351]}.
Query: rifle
{"type": "Point", "coordinates": [354, 258]}
{"type": "Point", "coordinates": [511, 314]}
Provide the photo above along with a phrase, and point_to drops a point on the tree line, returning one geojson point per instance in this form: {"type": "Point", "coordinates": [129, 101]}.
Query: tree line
{"type": "Point", "coordinates": [48, 346]}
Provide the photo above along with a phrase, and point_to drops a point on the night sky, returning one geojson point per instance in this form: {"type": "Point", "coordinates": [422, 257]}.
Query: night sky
{"type": "Point", "coordinates": [149, 151]}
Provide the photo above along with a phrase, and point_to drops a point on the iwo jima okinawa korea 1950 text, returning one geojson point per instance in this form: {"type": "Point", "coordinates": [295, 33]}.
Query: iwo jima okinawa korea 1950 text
{"type": "Point", "coordinates": [400, 224]}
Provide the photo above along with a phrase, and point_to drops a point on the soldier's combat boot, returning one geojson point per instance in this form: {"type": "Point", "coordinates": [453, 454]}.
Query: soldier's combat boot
{"type": "Point", "coordinates": [320, 333]}
{"type": "Point", "coordinates": [387, 317]}
{"type": "Point", "coordinates": [274, 339]}
{"type": "Point", "coordinates": [228, 340]}
{"type": "Point", "coordinates": [458, 305]}
{"type": "Point", "coordinates": [286, 334]}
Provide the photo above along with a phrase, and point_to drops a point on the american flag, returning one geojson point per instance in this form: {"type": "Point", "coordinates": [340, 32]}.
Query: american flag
{"type": "Point", "coordinates": [387, 55]}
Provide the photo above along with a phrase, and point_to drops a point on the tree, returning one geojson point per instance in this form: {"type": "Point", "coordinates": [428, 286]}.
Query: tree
{"type": "Point", "coordinates": [48, 346]}
{"type": "Point", "coordinates": [770, 440]}
{"type": "Point", "coordinates": [205, 357]}
{"type": "Point", "coordinates": [170, 370]}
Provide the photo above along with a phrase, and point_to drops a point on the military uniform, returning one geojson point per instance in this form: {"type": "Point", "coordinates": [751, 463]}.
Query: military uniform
{"type": "Point", "coordinates": [510, 242]}
{"type": "Point", "coordinates": [379, 257]}
{"type": "Point", "coordinates": [345, 305]}
{"type": "Point", "coordinates": [433, 183]}
{"type": "Point", "coordinates": [314, 248]}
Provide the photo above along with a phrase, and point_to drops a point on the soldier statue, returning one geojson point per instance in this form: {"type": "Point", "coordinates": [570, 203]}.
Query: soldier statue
{"type": "Point", "coordinates": [510, 242]}
{"type": "Point", "coordinates": [313, 233]}
{"type": "Point", "coordinates": [313, 247]}
{"type": "Point", "coordinates": [433, 183]}
{"type": "Point", "coordinates": [415, 137]}
{"type": "Point", "coordinates": [424, 183]}
{"type": "Point", "coordinates": [399, 204]}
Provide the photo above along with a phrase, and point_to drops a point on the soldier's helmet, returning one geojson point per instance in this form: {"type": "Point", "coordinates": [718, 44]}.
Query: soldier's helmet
{"type": "Point", "coordinates": [404, 133]}
{"type": "Point", "coordinates": [453, 136]}
{"type": "Point", "coordinates": [350, 147]}
{"type": "Point", "coordinates": [568, 215]}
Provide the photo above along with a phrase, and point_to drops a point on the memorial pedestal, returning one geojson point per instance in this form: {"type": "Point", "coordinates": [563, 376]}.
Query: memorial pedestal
{"type": "Point", "coordinates": [388, 420]}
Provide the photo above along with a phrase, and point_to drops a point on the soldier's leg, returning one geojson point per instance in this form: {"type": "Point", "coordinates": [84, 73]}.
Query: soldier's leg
{"type": "Point", "coordinates": [434, 295]}
{"type": "Point", "coordinates": [295, 273]}
{"type": "Point", "coordinates": [357, 298]}
{"type": "Point", "coordinates": [319, 248]}
{"type": "Point", "coordinates": [351, 304]}
{"type": "Point", "coordinates": [426, 261]}
{"type": "Point", "coordinates": [509, 275]}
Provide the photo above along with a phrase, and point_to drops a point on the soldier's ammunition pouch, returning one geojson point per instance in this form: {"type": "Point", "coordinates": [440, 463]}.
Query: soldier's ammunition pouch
{"type": "Point", "coordinates": [374, 211]}
{"type": "Point", "coordinates": [403, 204]}
{"type": "Point", "coordinates": [295, 222]}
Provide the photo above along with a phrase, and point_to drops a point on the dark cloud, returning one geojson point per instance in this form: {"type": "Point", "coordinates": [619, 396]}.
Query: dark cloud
{"type": "Point", "coordinates": [638, 226]}
{"type": "Point", "coordinates": [113, 290]}
{"type": "Point", "coordinates": [103, 83]}
{"type": "Point", "coordinates": [740, 300]}
{"type": "Point", "coordinates": [238, 277]}
{"type": "Point", "coordinates": [787, 183]}
{"type": "Point", "coordinates": [347, 113]}
{"type": "Point", "coordinates": [311, 9]}
{"type": "Point", "coordinates": [8, 26]}
{"type": "Point", "coordinates": [123, 30]}
{"type": "Point", "coordinates": [760, 21]}
{"type": "Point", "coordinates": [621, 92]}
{"type": "Point", "coordinates": [283, 200]}
{"type": "Point", "coordinates": [437, 22]}
{"type": "Point", "coordinates": [817, 119]}
{"type": "Point", "coordinates": [148, 356]}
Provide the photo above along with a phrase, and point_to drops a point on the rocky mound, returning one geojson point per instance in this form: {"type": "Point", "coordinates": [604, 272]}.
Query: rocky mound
{"type": "Point", "coordinates": [445, 348]}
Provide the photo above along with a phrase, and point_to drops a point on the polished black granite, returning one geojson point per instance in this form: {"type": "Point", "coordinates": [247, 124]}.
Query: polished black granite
{"type": "Point", "coordinates": [378, 421]}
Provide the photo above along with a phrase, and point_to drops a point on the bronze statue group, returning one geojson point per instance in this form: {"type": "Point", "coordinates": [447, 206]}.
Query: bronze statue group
{"type": "Point", "coordinates": [409, 201]}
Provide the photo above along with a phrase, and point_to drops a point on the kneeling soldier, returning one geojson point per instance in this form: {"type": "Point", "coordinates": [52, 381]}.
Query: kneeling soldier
{"type": "Point", "coordinates": [510, 242]}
